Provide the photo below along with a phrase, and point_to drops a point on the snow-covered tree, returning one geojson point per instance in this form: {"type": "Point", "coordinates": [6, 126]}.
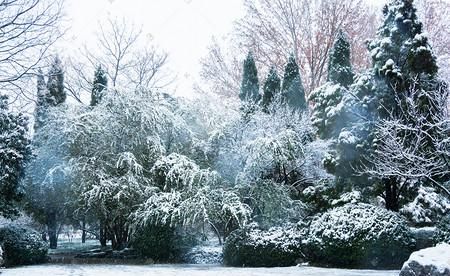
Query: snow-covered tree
{"type": "Point", "coordinates": [112, 149]}
{"type": "Point", "coordinates": [271, 87]}
{"type": "Point", "coordinates": [328, 111]}
{"type": "Point", "coordinates": [292, 90]}
{"type": "Point", "coordinates": [99, 85]}
{"type": "Point", "coordinates": [14, 152]}
{"type": "Point", "coordinates": [249, 86]}
{"type": "Point", "coordinates": [55, 83]}
{"type": "Point", "coordinates": [339, 63]}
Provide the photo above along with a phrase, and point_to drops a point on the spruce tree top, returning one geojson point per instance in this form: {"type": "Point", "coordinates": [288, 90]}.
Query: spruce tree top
{"type": "Point", "coordinates": [99, 85]}
{"type": "Point", "coordinates": [401, 52]}
{"type": "Point", "coordinates": [339, 64]}
{"type": "Point", "coordinates": [271, 87]}
{"type": "Point", "coordinates": [290, 72]}
{"type": "Point", "coordinates": [250, 86]}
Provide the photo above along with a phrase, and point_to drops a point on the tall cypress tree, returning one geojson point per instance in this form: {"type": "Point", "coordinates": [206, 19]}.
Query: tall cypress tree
{"type": "Point", "coordinates": [293, 92]}
{"type": "Point", "coordinates": [55, 83]}
{"type": "Point", "coordinates": [99, 85]}
{"type": "Point", "coordinates": [42, 101]}
{"type": "Point", "coordinates": [271, 87]}
{"type": "Point", "coordinates": [250, 86]}
{"type": "Point", "coordinates": [339, 64]}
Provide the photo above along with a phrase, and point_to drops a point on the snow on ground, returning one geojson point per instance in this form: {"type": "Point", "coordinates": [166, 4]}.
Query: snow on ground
{"type": "Point", "coordinates": [433, 259]}
{"type": "Point", "coordinates": [183, 270]}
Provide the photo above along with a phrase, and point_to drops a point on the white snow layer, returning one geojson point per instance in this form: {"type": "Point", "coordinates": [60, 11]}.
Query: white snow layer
{"type": "Point", "coordinates": [191, 270]}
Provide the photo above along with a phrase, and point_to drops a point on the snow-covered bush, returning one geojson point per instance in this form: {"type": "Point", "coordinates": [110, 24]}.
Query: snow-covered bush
{"type": "Point", "coordinates": [22, 246]}
{"type": "Point", "coordinates": [427, 208]}
{"type": "Point", "coordinates": [443, 230]}
{"type": "Point", "coordinates": [359, 235]}
{"type": "Point", "coordinates": [250, 246]}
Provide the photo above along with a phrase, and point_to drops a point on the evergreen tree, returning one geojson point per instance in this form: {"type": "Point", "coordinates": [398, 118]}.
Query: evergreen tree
{"type": "Point", "coordinates": [250, 86]}
{"type": "Point", "coordinates": [14, 152]}
{"type": "Point", "coordinates": [339, 63]}
{"type": "Point", "coordinates": [328, 114]}
{"type": "Point", "coordinates": [293, 92]}
{"type": "Point", "coordinates": [55, 83]}
{"type": "Point", "coordinates": [99, 85]}
{"type": "Point", "coordinates": [42, 101]}
{"type": "Point", "coordinates": [271, 87]}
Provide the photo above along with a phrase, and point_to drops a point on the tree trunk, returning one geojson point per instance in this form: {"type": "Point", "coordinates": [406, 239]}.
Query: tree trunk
{"type": "Point", "coordinates": [52, 229]}
{"type": "Point", "coordinates": [390, 187]}
{"type": "Point", "coordinates": [83, 233]}
{"type": "Point", "coordinates": [103, 235]}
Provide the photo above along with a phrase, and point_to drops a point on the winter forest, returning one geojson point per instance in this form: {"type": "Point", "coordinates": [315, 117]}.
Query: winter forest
{"type": "Point", "coordinates": [316, 137]}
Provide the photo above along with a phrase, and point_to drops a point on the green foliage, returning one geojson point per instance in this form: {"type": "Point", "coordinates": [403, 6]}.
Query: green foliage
{"type": "Point", "coordinates": [99, 85]}
{"type": "Point", "coordinates": [359, 236]}
{"type": "Point", "coordinates": [158, 242]}
{"type": "Point", "coordinates": [271, 87]}
{"type": "Point", "coordinates": [14, 152]}
{"type": "Point", "coordinates": [249, 86]}
{"type": "Point", "coordinates": [22, 246]}
{"type": "Point", "coordinates": [292, 90]}
{"type": "Point", "coordinates": [278, 246]}
{"type": "Point", "coordinates": [339, 63]}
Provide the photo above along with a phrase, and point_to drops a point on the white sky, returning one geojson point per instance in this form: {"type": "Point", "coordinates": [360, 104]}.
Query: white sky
{"type": "Point", "coordinates": [182, 28]}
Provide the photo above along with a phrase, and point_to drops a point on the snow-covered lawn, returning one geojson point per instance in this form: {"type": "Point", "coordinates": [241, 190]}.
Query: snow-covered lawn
{"type": "Point", "coordinates": [191, 270]}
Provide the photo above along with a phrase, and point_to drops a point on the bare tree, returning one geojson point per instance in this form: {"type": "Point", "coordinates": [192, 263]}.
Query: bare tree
{"type": "Point", "coordinates": [127, 59]}
{"type": "Point", "coordinates": [412, 146]}
{"type": "Point", "coordinates": [273, 30]}
{"type": "Point", "coordinates": [27, 29]}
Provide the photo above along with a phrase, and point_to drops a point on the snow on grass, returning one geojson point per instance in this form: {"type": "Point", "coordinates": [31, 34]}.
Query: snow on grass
{"type": "Point", "coordinates": [191, 270]}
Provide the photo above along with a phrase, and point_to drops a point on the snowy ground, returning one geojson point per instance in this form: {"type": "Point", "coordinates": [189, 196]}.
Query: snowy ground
{"type": "Point", "coordinates": [182, 270]}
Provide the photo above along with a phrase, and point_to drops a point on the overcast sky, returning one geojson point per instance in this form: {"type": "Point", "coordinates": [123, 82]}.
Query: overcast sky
{"type": "Point", "coordinates": [182, 28]}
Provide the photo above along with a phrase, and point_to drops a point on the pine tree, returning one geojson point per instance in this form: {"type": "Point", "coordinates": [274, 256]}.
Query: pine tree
{"type": "Point", "coordinates": [14, 152]}
{"type": "Point", "coordinates": [271, 87]}
{"type": "Point", "coordinates": [42, 101]}
{"type": "Point", "coordinates": [250, 86]}
{"type": "Point", "coordinates": [55, 83]}
{"type": "Point", "coordinates": [99, 86]}
{"type": "Point", "coordinates": [339, 63]}
{"type": "Point", "coordinates": [293, 92]}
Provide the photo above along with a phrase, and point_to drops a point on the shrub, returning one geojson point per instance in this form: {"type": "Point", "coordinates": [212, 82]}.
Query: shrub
{"type": "Point", "coordinates": [359, 235]}
{"type": "Point", "coordinates": [162, 243]}
{"type": "Point", "coordinates": [443, 231]}
{"type": "Point", "coordinates": [22, 246]}
{"type": "Point", "coordinates": [277, 246]}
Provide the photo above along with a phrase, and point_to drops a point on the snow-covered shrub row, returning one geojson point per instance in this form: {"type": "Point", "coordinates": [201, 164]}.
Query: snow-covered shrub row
{"type": "Point", "coordinates": [359, 235]}
{"type": "Point", "coordinates": [250, 246]}
{"type": "Point", "coordinates": [22, 246]}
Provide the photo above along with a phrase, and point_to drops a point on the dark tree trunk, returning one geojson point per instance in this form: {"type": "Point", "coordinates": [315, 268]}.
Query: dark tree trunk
{"type": "Point", "coordinates": [52, 229]}
{"type": "Point", "coordinates": [83, 233]}
{"type": "Point", "coordinates": [391, 194]}
{"type": "Point", "coordinates": [102, 236]}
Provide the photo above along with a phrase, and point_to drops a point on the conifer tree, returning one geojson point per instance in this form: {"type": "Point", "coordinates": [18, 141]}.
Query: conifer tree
{"type": "Point", "coordinates": [99, 85]}
{"type": "Point", "coordinates": [250, 86]}
{"type": "Point", "coordinates": [339, 64]}
{"type": "Point", "coordinates": [271, 87]}
{"type": "Point", "coordinates": [55, 83]}
{"type": "Point", "coordinates": [42, 101]}
{"type": "Point", "coordinates": [14, 152]}
{"type": "Point", "coordinates": [293, 92]}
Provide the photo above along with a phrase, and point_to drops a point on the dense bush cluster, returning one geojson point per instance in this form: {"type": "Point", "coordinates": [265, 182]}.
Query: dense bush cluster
{"type": "Point", "coordinates": [442, 233]}
{"type": "Point", "coordinates": [277, 246]}
{"type": "Point", "coordinates": [22, 246]}
{"type": "Point", "coordinates": [359, 235]}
